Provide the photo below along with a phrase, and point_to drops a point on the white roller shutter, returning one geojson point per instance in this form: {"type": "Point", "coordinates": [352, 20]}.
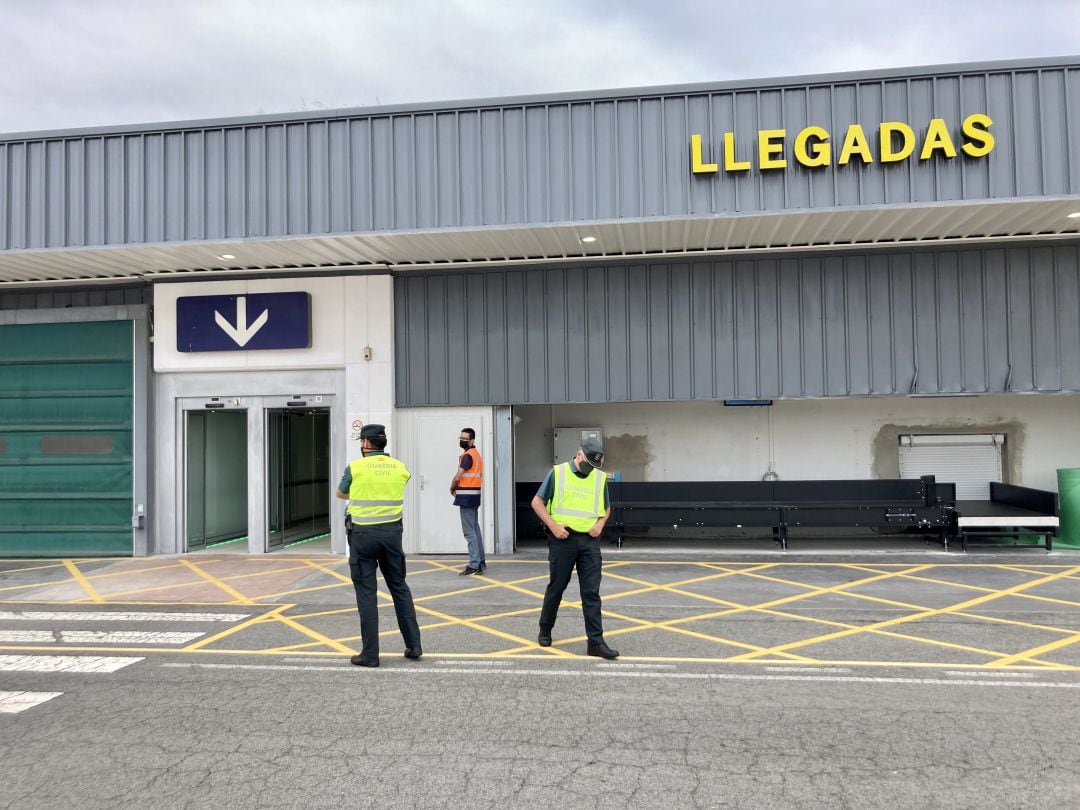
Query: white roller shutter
{"type": "Point", "coordinates": [971, 461]}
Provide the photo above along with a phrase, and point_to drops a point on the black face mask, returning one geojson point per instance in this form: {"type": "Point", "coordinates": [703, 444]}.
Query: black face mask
{"type": "Point", "coordinates": [463, 444]}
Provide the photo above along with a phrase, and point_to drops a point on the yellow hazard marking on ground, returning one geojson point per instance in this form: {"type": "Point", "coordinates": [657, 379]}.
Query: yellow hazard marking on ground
{"type": "Point", "coordinates": [634, 577]}
{"type": "Point", "coordinates": [241, 599]}
{"type": "Point", "coordinates": [904, 619]}
{"type": "Point", "coordinates": [1029, 655]}
{"type": "Point", "coordinates": [80, 577]}
{"type": "Point", "coordinates": [231, 631]}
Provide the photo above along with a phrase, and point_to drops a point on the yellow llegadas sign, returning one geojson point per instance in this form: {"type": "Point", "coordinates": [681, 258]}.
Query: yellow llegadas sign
{"type": "Point", "coordinates": [813, 146]}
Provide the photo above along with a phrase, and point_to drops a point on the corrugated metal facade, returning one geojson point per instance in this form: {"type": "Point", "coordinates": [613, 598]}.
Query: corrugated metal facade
{"type": "Point", "coordinates": [875, 323]}
{"type": "Point", "coordinates": [55, 298]}
{"type": "Point", "coordinates": [570, 159]}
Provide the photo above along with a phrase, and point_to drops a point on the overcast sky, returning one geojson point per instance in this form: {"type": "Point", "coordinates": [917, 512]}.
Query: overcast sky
{"type": "Point", "coordinates": [75, 63]}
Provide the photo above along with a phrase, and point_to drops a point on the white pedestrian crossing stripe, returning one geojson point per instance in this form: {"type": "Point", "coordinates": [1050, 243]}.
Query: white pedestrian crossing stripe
{"type": "Point", "coordinates": [82, 664]}
{"type": "Point", "coordinates": [15, 702]}
{"type": "Point", "coordinates": [106, 616]}
{"type": "Point", "coordinates": [95, 637]}
{"type": "Point", "coordinates": [125, 637]}
{"type": "Point", "coordinates": [27, 636]}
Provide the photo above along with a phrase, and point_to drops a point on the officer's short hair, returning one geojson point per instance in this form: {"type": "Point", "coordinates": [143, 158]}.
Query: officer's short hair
{"type": "Point", "coordinates": [378, 442]}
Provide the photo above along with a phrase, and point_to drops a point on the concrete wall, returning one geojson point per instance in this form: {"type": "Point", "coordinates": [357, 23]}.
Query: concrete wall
{"type": "Point", "coordinates": [811, 439]}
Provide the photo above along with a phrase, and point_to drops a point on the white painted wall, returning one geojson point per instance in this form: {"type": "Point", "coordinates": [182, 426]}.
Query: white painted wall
{"type": "Point", "coordinates": [812, 439]}
{"type": "Point", "coordinates": [348, 314]}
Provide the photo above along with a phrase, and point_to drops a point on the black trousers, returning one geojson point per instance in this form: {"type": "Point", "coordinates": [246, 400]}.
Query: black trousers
{"type": "Point", "coordinates": [372, 547]}
{"type": "Point", "coordinates": [583, 552]}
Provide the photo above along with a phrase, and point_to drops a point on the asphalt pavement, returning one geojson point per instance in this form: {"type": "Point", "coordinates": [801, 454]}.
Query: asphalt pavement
{"type": "Point", "coordinates": [853, 681]}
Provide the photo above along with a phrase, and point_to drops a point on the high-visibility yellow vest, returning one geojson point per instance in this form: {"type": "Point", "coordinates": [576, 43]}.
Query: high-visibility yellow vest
{"type": "Point", "coordinates": [473, 478]}
{"type": "Point", "coordinates": [377, 492]}
{"type": "Point", "coordinates": [577, 502]}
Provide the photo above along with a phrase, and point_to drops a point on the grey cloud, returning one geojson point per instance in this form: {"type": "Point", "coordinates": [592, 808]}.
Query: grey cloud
{"type": "Point", "coordinates": [94, 62]}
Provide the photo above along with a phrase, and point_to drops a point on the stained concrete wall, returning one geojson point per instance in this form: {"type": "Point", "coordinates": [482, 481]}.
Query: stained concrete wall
{"type": "Point", "coordinates": [811, 439]}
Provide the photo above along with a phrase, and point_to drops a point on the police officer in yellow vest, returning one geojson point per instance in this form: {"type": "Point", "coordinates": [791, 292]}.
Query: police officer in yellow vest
{"type": "Point", "coordinates": [374, 486]}
{"type": "Point", "coordinates": [573, 503]}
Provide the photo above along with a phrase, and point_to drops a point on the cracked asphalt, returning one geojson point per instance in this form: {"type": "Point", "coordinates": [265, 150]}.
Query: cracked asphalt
{"type": "Point", "coordinates": [881, 713]}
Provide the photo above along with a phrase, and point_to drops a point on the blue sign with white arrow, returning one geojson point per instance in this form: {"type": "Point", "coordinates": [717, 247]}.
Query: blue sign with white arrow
{"type": "Point", "coordinates": [229, 323]}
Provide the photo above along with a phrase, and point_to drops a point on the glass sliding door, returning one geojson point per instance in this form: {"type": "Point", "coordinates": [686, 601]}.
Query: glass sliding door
{"type": "Point", "coordinates": [298, 475]}
{"type": "Point", "coordinates": [216, 478]}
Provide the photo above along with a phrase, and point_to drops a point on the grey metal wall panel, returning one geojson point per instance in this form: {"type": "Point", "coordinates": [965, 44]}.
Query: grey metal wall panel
{"type": "Point", "coordinates": [854, 324]}
{"type": "Point", "coordinates": [532, 161]}
{"type": "Point", "coordinates": [67, 298]}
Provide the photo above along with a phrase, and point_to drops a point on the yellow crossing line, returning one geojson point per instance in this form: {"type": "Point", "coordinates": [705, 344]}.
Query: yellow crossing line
{"type": "Point", "coordinates": [344, 580]}
{"type": "Point", "coordinates": [262, 617]}
{"type": "Point", "coordinates": [1028, 655]}
{"type": "Point", "coordinates": [566, 655]}
{"type": "Point", "coordinates": [21, 569]}
{"type": "Point", "coordinates": [423, 627]}
{"type": "Point", "coordinates": [93, 577]}
{"type": "Point", "coordinates": [967, 586]}
{"type": "Point", "coordinates": [232, 578]}
{"type": "Point", "coordinates": [307, 631]}
{"type": "Point", "coordinates": [240, 598]}
{"type": "Point", "coordinates": [925, 614]}
{"type": "Point", "coordinates": [903, 636]}
{"type": "Point", "coordinates": [813, 619]}
{"type": "Point", "coordinates": [79, 577]}
{"type": "Point", "coordinates": [454, 620]}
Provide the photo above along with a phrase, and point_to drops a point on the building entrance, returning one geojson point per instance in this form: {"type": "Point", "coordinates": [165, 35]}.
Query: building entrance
{"type": "Point", "coordinates": [256, 473]}
{"type": "Point", "coordinates": [216, 466]}
{"type": "Point", "coordinates": [298, 493]}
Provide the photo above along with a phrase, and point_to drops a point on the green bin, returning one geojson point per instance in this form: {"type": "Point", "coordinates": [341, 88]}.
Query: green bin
{"type": "Point", "coordinates": [1069, 501]}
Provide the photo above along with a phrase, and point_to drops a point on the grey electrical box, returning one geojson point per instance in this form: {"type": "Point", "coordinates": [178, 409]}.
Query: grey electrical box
{"type": "Point", "coordinates": [568, 440]}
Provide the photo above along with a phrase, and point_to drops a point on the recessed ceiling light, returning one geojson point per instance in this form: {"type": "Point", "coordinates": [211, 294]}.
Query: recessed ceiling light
{"type": "Point", "coordinates": [1074, 215]}
{"type": "Point", "coordinates": [588, 240]}
{"type": "Point", "coordinates": [226, 256]}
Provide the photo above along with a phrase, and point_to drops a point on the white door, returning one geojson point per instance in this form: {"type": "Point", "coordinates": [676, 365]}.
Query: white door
{"type": "Point", "coordinates": [435, 453]}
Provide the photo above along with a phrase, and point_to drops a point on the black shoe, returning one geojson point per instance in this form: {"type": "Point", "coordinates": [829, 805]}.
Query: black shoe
{"type": "Point", "coordinates": [483, 567]}
{"type": "Point", "coordinates": [360, 661]}
{"type": "Point", "coordinates": [469, 571]}
{"type": "Point", "coordinates": [602, 650]}
{"type": "Point", "coordinates": [413, 652]}
{"type": "Point", "coordinates": [544, 639]}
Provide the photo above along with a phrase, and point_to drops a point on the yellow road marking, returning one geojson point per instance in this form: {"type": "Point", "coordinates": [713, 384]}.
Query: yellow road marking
{"type": "Point", "coordinates": [966, 586]}
{"type": "Point", "coordinates": [1028, 655]}
{"type": "Point", "coordinates": [79, 577]}
{"type": "Point", "coordinates": [566, 655]}
{"type": "Point", "coordinates": [240, 598]}
{"type": "Point", "coordinates": [827, 622]}
{"type": "Point", "coordinates": [307, 631]}
{"type": "Point", "coordinates": [924, 614]}
{"type": "Point", "coordinates": [233, 578]}
{"type": "Point", "coordinates": [262, 617]}
{"type": "Point", "coordinates": [19, 570]}
{"type": "Point", "coordinates": [490, 630]}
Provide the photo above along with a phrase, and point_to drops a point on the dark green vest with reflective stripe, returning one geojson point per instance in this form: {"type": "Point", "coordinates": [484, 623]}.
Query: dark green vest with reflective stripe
{"type": "Point", "coordinates": [577, 502]}
{"type": "Point", "coordinates": [377, 492]}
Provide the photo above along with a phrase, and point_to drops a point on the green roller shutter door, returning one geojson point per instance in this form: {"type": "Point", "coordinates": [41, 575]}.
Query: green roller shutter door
{"type": "Point", "coordinates": [66, 407]}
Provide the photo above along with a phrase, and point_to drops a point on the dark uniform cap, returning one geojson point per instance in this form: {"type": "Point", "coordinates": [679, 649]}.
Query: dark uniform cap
{"type": "Point", "coordinates": [593, 449]}
{"type": "Point", "coordinates": [373, 431]}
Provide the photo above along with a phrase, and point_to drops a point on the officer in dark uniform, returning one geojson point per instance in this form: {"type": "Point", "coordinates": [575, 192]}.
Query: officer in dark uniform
{"type": "Point", "coordinates": [374, 486]}
{"type": "Point", "coordinates": [572, 503]}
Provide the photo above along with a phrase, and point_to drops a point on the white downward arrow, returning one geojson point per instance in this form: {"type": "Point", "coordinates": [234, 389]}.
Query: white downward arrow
{"type": "Point", "coordinates": [241, 333]}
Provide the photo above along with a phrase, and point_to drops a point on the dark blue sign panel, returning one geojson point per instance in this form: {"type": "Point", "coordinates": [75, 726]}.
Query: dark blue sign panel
{"type": "Point", "coordinates": [230, 323]}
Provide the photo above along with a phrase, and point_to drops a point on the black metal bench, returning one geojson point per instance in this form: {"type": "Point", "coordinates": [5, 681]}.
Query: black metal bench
{"type": "Point", "coordinates": [1011, 513]}
{"type": "Point", "coordinates": [783, 505]}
